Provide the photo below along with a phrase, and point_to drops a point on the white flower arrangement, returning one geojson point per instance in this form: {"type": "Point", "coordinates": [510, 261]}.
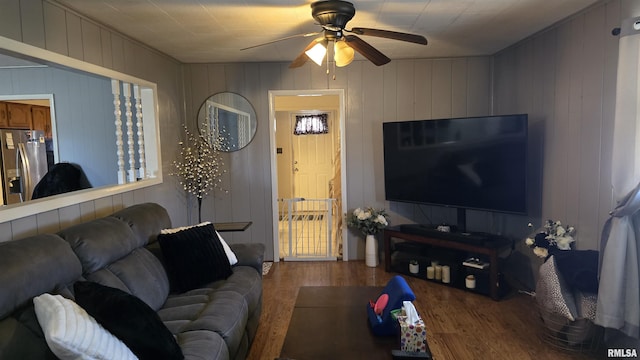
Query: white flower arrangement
{"type": "Point", "coordinates": [369, 221]}
{"type": "Point", "coordinates": [551, 237]}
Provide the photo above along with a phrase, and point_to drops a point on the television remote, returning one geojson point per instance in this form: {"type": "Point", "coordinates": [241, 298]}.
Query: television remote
{"type": "Point", "coordinates": [408, 355]}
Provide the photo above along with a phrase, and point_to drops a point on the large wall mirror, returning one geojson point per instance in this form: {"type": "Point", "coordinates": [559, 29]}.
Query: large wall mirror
{"type": "Point", "coordinates": [102, 122]}
{"type": "Point", "coordinates": [230, 118]}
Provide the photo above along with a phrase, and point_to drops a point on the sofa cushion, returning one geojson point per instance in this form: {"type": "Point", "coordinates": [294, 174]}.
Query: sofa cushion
{"type": "Point", "coordinates": [249, 254]}
{"type": "Point", "coordinates": [32, 266]}
{"type": "Point", "coordinates": [202, 344]}
{"type": "Point", "coordinates": [72, 334]}
{"type": "Point", "coordinates": [146, 220]}
{"type": "Point", "coordinates": [244, 281]}
{"type": "Point", "coordinates": [139, 273]}
{"type": "Point", "coordinates": [130, 319]}
{"type": "Point", "coordinates": [193, 257]}
{"type": "Point", "coordinates": [100, 242]}
{"type": "Point", "coordinates": [223, 312]}
{"type": "Point", "coordinates": [21, 336]}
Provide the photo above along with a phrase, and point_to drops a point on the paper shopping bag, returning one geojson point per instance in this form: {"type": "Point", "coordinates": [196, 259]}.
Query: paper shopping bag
{"type": "Point", "coordinates": [413, 334]}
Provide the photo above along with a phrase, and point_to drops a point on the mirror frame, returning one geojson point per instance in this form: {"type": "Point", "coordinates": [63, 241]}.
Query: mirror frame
{"type": "Point", "coordinates": [201, 121]}
{"type": "Point", "coordinates": [34, 207]}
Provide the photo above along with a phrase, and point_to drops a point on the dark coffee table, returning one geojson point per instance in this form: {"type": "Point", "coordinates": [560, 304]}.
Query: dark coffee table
{"type": "Point", "coordinates": [330, 322]}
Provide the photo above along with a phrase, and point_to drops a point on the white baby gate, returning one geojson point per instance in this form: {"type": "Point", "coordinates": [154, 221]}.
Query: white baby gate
{"type": "Point", "coordinates": [305, 229]}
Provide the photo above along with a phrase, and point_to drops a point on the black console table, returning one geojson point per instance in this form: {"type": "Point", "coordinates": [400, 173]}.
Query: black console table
{"type": "Point", "coordinates": [232, 226]}
{"type": "Point", "coordinates": [490, 248]}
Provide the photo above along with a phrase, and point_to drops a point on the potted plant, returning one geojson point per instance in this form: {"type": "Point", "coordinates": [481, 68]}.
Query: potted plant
{"type": "Point", "coordinates": [369, 221]}
{"type": "Point", "coordinates": [552, 237]}
{"type": "Point", "coordinates": [414, 267]}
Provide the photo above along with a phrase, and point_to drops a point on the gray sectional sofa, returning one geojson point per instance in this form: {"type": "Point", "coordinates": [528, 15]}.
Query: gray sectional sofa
{"type": "Point", "coordinates": [215, 321]}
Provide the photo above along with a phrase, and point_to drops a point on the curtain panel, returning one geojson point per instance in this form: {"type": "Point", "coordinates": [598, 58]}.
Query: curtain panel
{"type": "Point", "coordinates": [619, 278]}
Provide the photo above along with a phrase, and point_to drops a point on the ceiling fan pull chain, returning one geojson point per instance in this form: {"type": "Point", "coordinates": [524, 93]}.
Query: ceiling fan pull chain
{"type": "Point", "coordinates": [329, 55]}
{"type": "Point", "coordinates": [334, 60]}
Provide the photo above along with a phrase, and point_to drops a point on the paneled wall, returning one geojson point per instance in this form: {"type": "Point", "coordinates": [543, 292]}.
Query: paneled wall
{"type": "Point", "coordinates": [46, 25]}
{"type": "Point", "coordinates": [400, 90]}
{"type": "Point", "coordinates": [565, 78]}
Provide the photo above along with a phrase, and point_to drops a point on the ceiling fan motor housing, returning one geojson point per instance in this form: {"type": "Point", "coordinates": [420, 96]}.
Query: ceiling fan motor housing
{"type": "Point", "coordinates": [333, 13]}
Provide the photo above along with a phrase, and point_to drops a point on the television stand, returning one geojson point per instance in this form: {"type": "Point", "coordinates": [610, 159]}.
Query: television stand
{"type": "Point", "coordinates": [456, 246]}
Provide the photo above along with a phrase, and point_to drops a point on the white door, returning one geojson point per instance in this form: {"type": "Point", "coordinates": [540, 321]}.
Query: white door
{"type": "Point", "coordinates": [313, 163]}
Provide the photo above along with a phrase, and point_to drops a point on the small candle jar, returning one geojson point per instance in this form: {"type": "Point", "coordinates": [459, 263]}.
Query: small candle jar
{"type": "Point", "coordinates": [430, 272]}
{"type": "Point", "coordinates": [470, 282]}
{"type": "Point", "coordinates": [414, 268]}
{"type": "Point", "coordinates": [438, 272]}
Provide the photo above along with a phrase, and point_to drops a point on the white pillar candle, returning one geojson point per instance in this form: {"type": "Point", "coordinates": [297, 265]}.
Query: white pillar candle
{"type": "Point", "coordinates": [446, 274]}
{"type": "Point", "coordinates": [430, 272]}
{"type": "Point", "coordinates": [438, 272]}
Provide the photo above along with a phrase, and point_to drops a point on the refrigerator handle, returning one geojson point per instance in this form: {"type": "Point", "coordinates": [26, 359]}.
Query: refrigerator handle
{"type": "Point", "coordinates": [22, 163]}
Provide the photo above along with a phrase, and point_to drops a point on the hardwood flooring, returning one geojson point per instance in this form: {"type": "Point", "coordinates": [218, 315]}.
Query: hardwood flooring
{"type": "Point", "coordinates": [460, 324]}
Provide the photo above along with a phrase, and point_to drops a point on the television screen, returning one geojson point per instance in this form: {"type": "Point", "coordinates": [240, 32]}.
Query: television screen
{"type": "Point", "coordinates": [468, 163]}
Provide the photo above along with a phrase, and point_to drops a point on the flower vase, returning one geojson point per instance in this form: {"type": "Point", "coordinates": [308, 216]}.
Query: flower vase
{"type": "Point", "coordinates": [371, 251]}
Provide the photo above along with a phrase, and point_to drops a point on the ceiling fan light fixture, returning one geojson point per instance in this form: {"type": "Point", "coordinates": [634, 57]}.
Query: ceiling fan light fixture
{"type": "Point", "coordinates": [343, 53]}
{"type": "Point", "coordinates": [317, 53]}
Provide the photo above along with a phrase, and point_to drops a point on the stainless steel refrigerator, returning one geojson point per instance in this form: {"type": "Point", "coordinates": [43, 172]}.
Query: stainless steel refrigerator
{"type": "Point", "coordinates": [24, 163]}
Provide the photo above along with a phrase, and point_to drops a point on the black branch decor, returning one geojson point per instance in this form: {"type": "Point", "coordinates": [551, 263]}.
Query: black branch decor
{"type": "Point", "coordinates": [200, 165]}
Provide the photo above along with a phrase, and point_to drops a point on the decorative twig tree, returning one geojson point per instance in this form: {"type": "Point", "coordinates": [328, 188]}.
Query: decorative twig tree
{"type": "Point", "coordinates": [200, 166]}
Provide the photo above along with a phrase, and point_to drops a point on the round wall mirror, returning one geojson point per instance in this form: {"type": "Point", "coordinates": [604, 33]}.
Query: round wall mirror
{"type": "Point", "coordinates": [229, 120]}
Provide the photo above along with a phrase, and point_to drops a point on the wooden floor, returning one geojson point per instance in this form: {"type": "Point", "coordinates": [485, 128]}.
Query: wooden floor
{"type": "Point", "coordinates": [460, 324]}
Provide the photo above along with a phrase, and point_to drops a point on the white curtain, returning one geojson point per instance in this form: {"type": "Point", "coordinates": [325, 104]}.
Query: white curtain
{"type": "Point", "coordinates": [619, 284]}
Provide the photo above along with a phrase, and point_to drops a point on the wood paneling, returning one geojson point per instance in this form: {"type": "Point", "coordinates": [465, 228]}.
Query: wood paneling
{"type": "Point", "coordinates": [10, 19]}
{"type": "Point", "coordinates": [74, 35]}
{"type": "Point", "coordinates": [32, 21]}
{"type": "Point", "coordinates": [441, 88]}
{"type": "Point", "coordinates": [564, 78]}
{"type": "Point", "coordinates": [55, 26]}
{"type": "Point", "coordinates": [91, 43]}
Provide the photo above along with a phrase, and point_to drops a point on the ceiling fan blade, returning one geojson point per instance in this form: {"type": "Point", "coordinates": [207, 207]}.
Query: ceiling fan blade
{"type": "Point", "coordinates": [366, 50]}
{"type": "Point", "coordinates": [302, 58]}
{"type": "Point", "coordinates": [281, 39]}
{"type": "Point", "coordinates": [417, 39]}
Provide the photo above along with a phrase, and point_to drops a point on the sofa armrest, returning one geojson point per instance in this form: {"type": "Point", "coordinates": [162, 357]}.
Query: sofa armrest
{"type": "Point", "coordinates": [249, 254]}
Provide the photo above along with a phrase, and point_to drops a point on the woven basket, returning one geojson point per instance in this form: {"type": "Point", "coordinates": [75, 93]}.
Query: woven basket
{"type": "Point", "coordinates": [581, 335]}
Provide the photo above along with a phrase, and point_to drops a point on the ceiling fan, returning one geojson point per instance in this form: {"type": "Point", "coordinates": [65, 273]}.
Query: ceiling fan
{"type": "Point", "coordinates": [332, 16]}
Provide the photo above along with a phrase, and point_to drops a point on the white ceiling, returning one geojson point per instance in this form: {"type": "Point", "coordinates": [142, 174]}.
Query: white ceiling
{"type": "Point", "coordinates": [203, 31]}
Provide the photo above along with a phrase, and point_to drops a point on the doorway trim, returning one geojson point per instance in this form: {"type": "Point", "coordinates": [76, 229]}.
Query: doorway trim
{"type": "Point", "coordinates": [274, 165]}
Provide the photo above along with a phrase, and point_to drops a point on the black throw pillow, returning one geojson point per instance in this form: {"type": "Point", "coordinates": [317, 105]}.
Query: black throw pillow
{"type": "Point", "coordinates": [194, 256]}
{"type": "Point", "coordinates": [129, 319]}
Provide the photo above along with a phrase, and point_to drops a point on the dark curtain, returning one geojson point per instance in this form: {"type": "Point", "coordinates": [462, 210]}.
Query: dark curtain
{"type": "Point", "coordinates": [311, 124]}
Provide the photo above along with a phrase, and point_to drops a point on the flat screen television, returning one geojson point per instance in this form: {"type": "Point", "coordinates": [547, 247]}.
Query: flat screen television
{"type": "Point", "coordinates": [466, 163]}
